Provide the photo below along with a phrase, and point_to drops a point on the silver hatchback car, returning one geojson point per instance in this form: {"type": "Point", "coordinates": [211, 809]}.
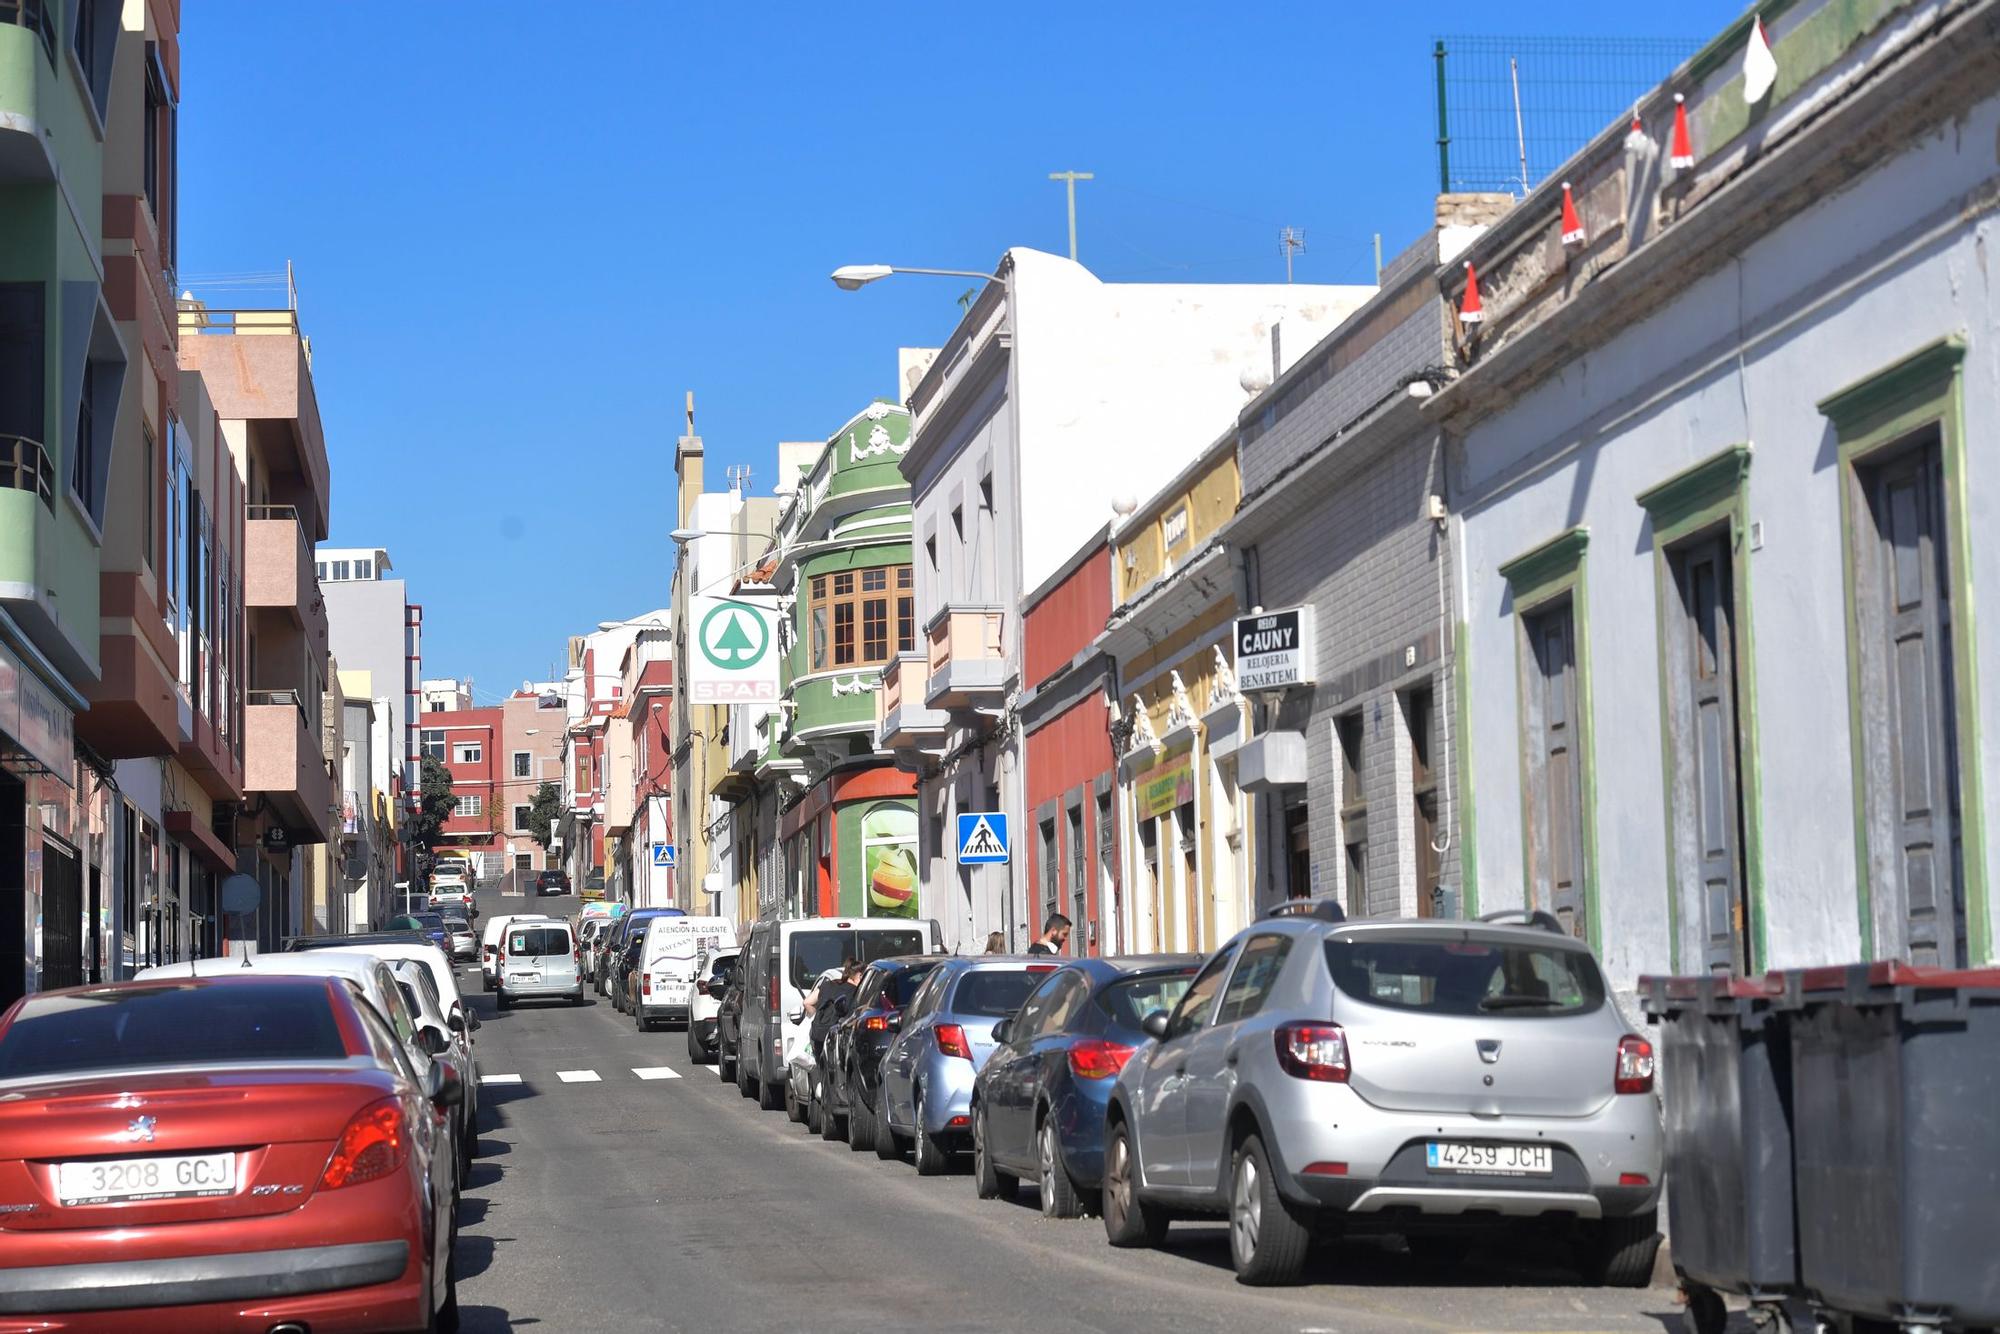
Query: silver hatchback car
{"type": "Point", "coordinates": [1429, 1078]}
{"type": "Point", "coordinates": [946, 1034]}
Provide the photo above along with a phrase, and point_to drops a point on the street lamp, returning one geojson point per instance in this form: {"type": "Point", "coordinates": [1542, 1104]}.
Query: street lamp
{"type": "Point", "coordinates": [854, 277]}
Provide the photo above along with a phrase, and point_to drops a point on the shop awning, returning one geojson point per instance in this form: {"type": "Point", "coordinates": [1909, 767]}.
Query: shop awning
{"type": "Point", "coordinates": [201, 840]}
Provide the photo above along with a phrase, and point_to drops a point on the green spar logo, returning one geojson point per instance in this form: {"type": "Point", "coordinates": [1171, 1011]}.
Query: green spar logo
{"type": "Point", "coordinates": [725, 641]}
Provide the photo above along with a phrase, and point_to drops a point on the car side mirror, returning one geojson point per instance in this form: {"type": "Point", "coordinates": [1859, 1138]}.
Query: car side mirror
{"type": "Point", "coordinates": [444, 1086]}
{"type": "Point", "coordinates": [1154, 1025]}
{"type": "Point", "coordinates": [455, 1022]}
{"type": "Point", "coordinates": [1002, 1029]}
{"type": "Point", "coordinates": [896, 1022]}
{"type": "Point", "coordinates": [435, 1041]}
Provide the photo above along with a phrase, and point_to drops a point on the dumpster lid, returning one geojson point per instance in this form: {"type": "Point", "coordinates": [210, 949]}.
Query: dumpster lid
{"type": "Point", "coordinates": [1705, 991]}
{"type": "Point", "coordinates": [1886, 973]}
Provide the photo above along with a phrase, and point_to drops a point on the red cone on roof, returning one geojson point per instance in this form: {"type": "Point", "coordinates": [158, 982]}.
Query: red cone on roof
{"type": "Point", "coordinates": [1469, 309]}
{"type": "Point", "coordinates": [1572, 224]}
{"type": "Point", "coordinates": [1635, 138]}
{"type": "Point", "coordinates": [1681, 155]}
{"type": "Point", "coordinates": [1760, 67]}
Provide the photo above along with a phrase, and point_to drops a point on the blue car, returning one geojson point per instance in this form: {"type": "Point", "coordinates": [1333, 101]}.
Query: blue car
{"type": "Point", "coordinates": [435, 931]}
{"type": "Point", "coordinates": [1038, 1103]}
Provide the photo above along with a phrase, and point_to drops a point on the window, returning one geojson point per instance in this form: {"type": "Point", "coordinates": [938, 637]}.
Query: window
{"type": "Point", "coordinates": [437, 706]}
{"type": "Point", "coordinates": [1348, 729]}
{"type": "Point", "coordinates": [583, 773]}
{"type": "Point", "coordinates": [523, 763]}
{"type": "Point", "coordinates": [470, 805]}
{"type": "Point", "coordinates": [251, 1020]}
{"type": "Point", "coordinates": [521, 817]}
{"type": "Point", "coordinates": [178, 490]}
{"type": "Point", "coordinates": [364, 569]}
{"type": "Point", "coordinates": [1297, 846]}
{"type": "Point", "coordinates": [1200, 998]}
{"type": "Point", "coordinates": [1555, 787]}
{"type": "Point", "coordinates": [1079, 870]}
{"type": "Point", "coordinates": [468, 752]}
{"type": "Point", "coordinates": [1051, 869]}
{"type": "Point", "coordinates": [94, 39]}
{"type": "Point", "coordinates": [23, 348]}
{"type": "Point", "coordinates": [523, 861]}
{"type": "Point", "coordinates": [340, 571]}
{"type": "Point", "coordinates": [1465, 977]}
{"type": "Point", "coordinates": [1418, 716]}
{"type": "Point", "coordinates": [1252, 982]}
{"type": "Point", "coordinates": [148, 521]}
{"type": "Point", "coordinates": [992, 993]}
{"type": "Point", "coordinates": [849, 617]}
{"type": "Point", "coordinates": [321, 571]}
{"type": "Point", "coordinates": [1127, 1002]}
{"type": "Point", "coordinates": [83, 454]}
{"type": "Point", "coordinates": [433, 742]}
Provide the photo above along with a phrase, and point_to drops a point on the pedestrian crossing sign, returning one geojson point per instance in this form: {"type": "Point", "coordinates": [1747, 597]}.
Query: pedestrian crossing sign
{"type": "Point", "coordinates": [982, 838]}
{"type": "Point", "coordinates": [663, 855]}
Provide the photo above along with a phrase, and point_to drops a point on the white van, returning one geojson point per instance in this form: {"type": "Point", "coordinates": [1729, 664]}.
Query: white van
{"type": "Point", "coordinates": [781, 962]}
{"type": "Point", "coordinates": [669, 962]}
{"type": "Point", "coordinates": [538, 960]}
{"type": "Point", "coordinates": [489, 944]}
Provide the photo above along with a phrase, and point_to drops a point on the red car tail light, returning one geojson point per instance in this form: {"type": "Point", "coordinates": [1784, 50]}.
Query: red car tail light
{"type": "Point", "coordinates": [645, 984]}
{"type": "Point", "coordinates": [1313, 1051]}
{"type": "Point", "coordinates": [951, 1041]}
{"type": "Point", "coordinates": [875, 1023]}
{"type": "Point", "coordinates": [774, 995]}
{"type": "Point", "coordinates": [1634, 1071]}
{"type": "Point", "coordinates": [1634, 1179]}
{"type": "Point", "coordinates": [374, 1144]}
{"type": "Point", "coordinates": [1096, 1058]}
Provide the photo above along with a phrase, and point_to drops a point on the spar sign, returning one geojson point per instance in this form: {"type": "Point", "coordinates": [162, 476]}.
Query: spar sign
{"type": "Point", "coordinates": [1274, 649]}
{"type": "Point", "coordinates": [735, 657]}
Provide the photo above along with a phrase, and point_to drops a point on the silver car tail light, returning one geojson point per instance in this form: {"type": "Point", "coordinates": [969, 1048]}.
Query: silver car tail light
{"type": "Point", "coordinates": [1313, 1051]}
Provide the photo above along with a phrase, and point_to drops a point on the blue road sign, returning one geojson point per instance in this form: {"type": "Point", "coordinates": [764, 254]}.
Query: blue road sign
{"type": "Point", "coordinates": [982, 839]}
{"type": "Point", "coordinates": [663, 855]}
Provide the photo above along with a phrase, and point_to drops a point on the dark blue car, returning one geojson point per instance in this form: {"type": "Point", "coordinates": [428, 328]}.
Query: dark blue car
{"type": "Point", "coordinates": [435, 931]}
{"type": "Point", "coordinates": [1038, 1104]}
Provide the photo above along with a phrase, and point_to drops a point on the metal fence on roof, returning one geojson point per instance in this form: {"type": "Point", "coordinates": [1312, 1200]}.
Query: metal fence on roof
{"type": "Point", "coordinates": [1510, 110]}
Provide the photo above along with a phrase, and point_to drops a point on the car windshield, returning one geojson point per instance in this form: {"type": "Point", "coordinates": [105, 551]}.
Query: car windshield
{"type": "Point", "coordinates": [1451, 974]}
{"type": "Point", "coordinates": [993, 991]}
{"type": "Point", "coordinates": [538, 940]}
{"type": "Point", "coordinates": [1129, 1000]}
{"type": "Point", "coordinates": [119, 1028]}
{"type": "Point", "coordinates": [813, 952]}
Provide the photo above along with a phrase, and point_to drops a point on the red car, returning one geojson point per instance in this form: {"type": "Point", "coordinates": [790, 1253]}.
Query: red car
{"type": "Point", "coordinates": [220, 1153]}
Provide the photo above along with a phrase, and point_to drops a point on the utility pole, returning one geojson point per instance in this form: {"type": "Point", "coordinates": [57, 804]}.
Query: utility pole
{"type": "Point", "coordinates": [1069, 180]}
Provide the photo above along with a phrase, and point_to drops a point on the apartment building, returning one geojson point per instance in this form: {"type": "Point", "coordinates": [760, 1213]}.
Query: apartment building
{"type": "Point", "coordinates": [1056, 396]}
{"type": "Point", "coordinates": [373, 627]}
{"type": "Point", "coordinates": [532, 728]}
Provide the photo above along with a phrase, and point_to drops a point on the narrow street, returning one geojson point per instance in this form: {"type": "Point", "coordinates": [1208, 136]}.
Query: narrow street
{"type": "Point", "coordinates": [621, 1187]}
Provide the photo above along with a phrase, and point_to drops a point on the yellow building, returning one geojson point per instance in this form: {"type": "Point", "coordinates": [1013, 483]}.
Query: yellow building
{"type": "Point", "coordinates": [1186, 827]}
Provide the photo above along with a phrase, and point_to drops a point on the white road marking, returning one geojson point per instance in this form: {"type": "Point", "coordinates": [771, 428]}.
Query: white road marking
{"type": "Point", "coordinates": [656, 1072]}
{"type": "Point", "coordinates": [499, 1079]}
{"type": "Point", "coordinates": [578, 1076]}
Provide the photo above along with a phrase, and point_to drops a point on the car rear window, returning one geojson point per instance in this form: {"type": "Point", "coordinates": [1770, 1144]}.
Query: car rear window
{"type": "Point", "coordinates": [1449, 974]}
{"type": "Point", "coordinates": [538, 940]}
{"type": "Point", "coordinates": [994, 991]}
{"type": "Point", "coordinates": [290, 1020]}
{"type": "Point", "coordinates": [904, 984]}
{"type": "Point", "coordinates": [1129, 1000]}
{"type": "Point", "coordinates": [431, 919]}
{"type": "Point", "coordinates": [813, 952]}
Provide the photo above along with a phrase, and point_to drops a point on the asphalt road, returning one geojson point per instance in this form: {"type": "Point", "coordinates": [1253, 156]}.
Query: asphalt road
{"type": "Point", "coordinates": [609, 1199]}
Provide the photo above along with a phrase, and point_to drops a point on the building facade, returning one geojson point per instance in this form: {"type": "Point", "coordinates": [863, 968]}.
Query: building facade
{"type": "Point", "coordinates": [1723, 520]}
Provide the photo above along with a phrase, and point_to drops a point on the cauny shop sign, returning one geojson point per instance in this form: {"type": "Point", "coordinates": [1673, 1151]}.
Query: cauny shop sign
{"type": "Point", "coordinates": [1274, 649]}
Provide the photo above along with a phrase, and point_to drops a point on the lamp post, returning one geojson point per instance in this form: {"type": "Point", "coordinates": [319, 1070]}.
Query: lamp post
{"type": "Point", "coordinates": [854, 277]}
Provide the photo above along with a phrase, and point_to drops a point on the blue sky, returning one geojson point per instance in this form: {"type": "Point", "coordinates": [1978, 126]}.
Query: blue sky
{"type": "Point", "coordinates": [521, 232]}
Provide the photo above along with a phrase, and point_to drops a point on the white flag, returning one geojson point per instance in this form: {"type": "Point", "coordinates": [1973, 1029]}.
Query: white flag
{"type": "Point", "coordinates": [1760, 67]}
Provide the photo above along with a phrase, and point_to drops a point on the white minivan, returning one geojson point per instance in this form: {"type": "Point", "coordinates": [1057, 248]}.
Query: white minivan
{"type": "Point", "coordinates": [781, 962]}
{"type": "Point", "coordinates": [538, 960]}
{"type": "Point", "coordinates": [489, 944]}
{"type": "Point", "coordinates": [669, 962]}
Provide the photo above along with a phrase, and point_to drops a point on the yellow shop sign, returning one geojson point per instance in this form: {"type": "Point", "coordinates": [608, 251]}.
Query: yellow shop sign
{"type": "Point", "coordinates": [1159, 790]}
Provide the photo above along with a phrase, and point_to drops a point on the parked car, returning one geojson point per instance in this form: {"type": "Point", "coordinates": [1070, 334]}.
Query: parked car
{"type": "Point", "coordinates": [1038, 1105]}
{"type": "Point", "coordinates": [855, 1046]}
{"type": "Point", "coordinates": [618, 957]}
{"type": "Point", "coordinates": [729, 1026]}
{"type": "Point", "coordinates": [946, 1036]}
{"type": "Point", "coordinates": [717, 969]}
{"type": "Point", "coordinates": [552, 882]}
{"type": "Point", "coordinates": [420, 993]}
{"type": "Point", "coordinates": [669, 962]}
{"type": "Point", "coordinates": [489, 943]}
{"type": "Point", "coordinates": [588, 929]}
{"type": "Point", "coordinates": [464, 943]}
{"type": "Point", "coordinates": [392, 935]}
{"type": "Point", "coordinates": [434, 929]}
{"type": "Point", "coordinates": [288, 1159]}
{"type": "Point", "coordinates": [450, 892]}
{"type": "Point", "coordinates": [1426, 1077]}
{"type": "Point", "coordinates": [538, 961]}
{"type": "Point", "coordinates": [782, 959]}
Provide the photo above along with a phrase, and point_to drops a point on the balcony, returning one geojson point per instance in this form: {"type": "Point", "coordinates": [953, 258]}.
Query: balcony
{"type": "Point", "coordinates": [278, 570]}
{"type": "Point", "coordinates": [904, 723]}
{"type": "Point", "coordinates": [283, 763]}
{"type": "Point", "coordinates": [968, 667]}
{"type": "Point", "coordinates": [30, 71]}
{"type": "Point", "coordinates": [257, 368]}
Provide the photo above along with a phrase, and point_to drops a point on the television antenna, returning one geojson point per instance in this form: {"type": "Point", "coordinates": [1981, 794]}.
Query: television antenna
{"type": "Point", "coordinates": [739, 478]}
{"type": "Point", "coordinates": [1291, 240]}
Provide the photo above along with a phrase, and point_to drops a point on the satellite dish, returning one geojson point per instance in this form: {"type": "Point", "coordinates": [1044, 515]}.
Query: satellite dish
{"type": "Point", "coordinates": [241, 894]}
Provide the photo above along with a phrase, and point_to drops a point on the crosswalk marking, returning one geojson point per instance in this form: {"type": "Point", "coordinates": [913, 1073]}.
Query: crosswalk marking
{"type": "Point", "coordinates": [499, 1079]}
{"type": "Point", "coordinates": [656, 1072]}
{"type": "Point", "coordinates": [577, 1076]}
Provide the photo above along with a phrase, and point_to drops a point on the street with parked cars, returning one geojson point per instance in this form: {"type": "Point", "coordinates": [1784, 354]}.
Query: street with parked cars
{"type": "Point", "coordinates": [1367, 1125]}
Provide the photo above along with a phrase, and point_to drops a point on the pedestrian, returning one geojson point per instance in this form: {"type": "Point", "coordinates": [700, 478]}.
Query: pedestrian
{"type": "Point", "coordinates": [996, 943]}
{"type": "Point", "coordinates": [1055, 936]}
{"type": "Point", "coordinates": [832, 977]}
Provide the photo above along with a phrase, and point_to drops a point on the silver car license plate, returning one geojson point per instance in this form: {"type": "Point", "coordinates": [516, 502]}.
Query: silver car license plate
{"type": "Point", "coordinates": [1446, 1155]}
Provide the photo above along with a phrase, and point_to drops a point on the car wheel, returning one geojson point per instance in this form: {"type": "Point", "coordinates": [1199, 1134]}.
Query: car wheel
{"type": "Point", "coordinates": [1128, 1220]}
{"type": "Point", "coordinates": [931, 1158]}
{"type": "Point", "coordinates": [831, 1123]}
{"type": "Point", "coordinates": [739, 1075]}
{"type": "Point", "coordinates": [988, 1181]}
{"type": "Point", "coordinates": [1618, 1252]}
{"type": "Point", "coordinates": [505, 1002]}
{"type": "Point", "coordinates": [444, 1317]}
{"type": "Point", "coordinates": [860, 1122]}
{"type": "Point", "coordinates": [886, 1145]}
{"type": "Point", "coordinates": [769, 1096]}
{"type": "Point", "coordinates": [1705, 1312]}
{"type": "Point", "coordinates": [695, 1054]}
{"type": "Point", "coordinates": [1266, 1239]}
{"type": "Point", "coordinates": [1058, 1191]}
{"type": "Point", "coordinates": [815, 1116]}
